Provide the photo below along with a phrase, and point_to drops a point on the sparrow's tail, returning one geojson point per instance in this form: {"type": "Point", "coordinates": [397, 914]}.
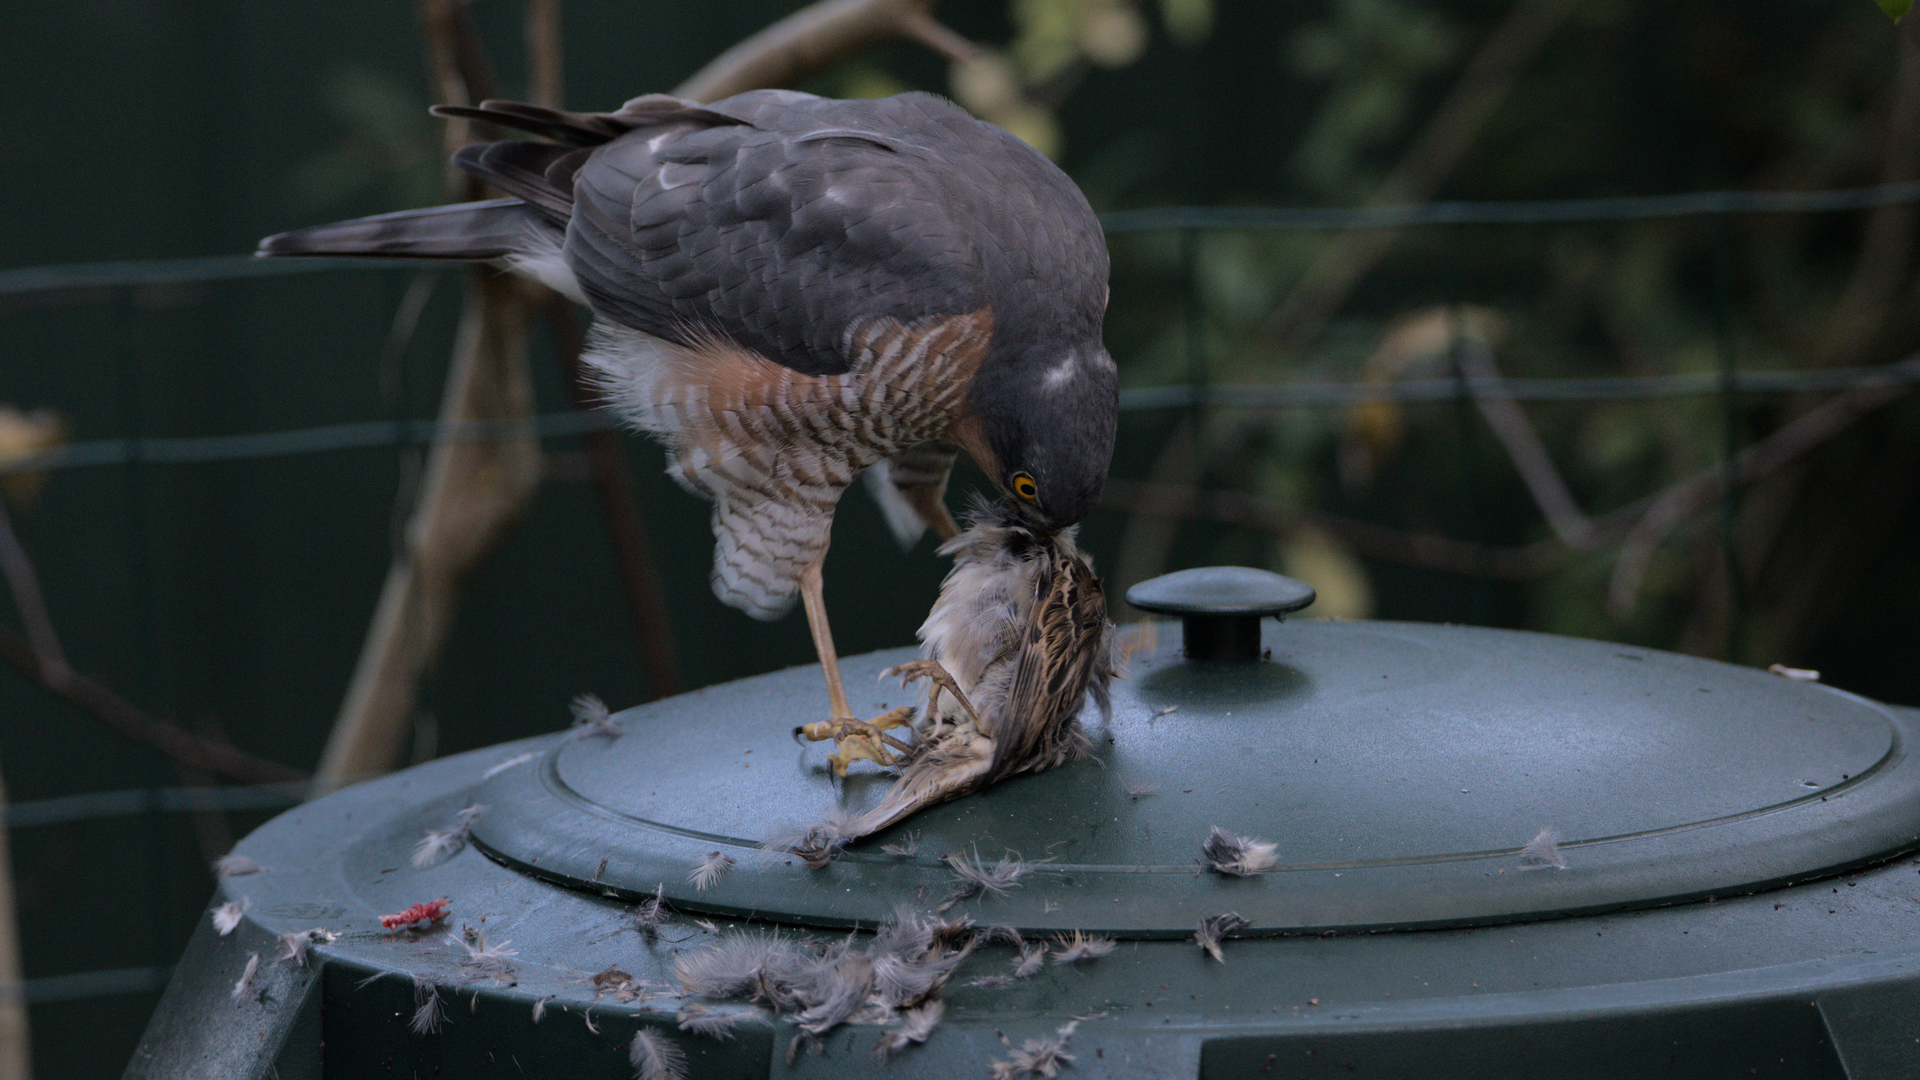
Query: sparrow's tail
{"type": "Point", "coordinates": [473, 232]}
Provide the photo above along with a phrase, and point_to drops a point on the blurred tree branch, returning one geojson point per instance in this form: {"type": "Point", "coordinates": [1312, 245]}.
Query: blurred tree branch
{"type": "Point", "coordinates": [1638, 527]}
{"type": "Point", "coordinates": [184, 747]}
{"type": "Point", "coordinates": [1487, 80]}
{"type": "Point", "coordinates": [16, 1036]}
{"type": "Point", "coordinates": [815, 38]}
{"type": "Point", "coordinates": [1757, 460]}
{"type": "Point", "coordinates": [1886, 245]}
{"type": "Point", "coordinates": [39, 657]}
{"type": "Point", "coordinates": [1522, 444]}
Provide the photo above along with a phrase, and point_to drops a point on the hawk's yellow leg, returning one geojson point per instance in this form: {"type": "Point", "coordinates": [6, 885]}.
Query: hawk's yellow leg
{"type": "Point", "coordinates": [810, 595]}
{"type": "Point", "coordinates": [855, 739]}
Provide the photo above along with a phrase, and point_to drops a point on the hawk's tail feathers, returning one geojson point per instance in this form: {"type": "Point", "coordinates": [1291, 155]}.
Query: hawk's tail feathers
{"type": "Point", "coordinates": [471, 232]}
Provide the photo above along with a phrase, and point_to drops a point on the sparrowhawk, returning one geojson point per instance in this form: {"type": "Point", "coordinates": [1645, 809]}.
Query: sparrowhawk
{"type": "Point", "coordinates": [791, 290]}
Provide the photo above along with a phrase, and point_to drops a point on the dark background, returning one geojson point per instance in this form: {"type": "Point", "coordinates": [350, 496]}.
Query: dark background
{"type": "Point", "coordinates": [232, 598]}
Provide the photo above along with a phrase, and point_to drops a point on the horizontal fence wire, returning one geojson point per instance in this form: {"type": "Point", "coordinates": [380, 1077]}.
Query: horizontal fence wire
{"type": "Point", "coordinates": [1553, 212]}
{"type": "Point", "coordinates": [258, 445]}
{"type": "Point", "coordinates": [105, 804]}
{"type": "Point", "coordinates": [48, 989]}
{"type": "Point", "coordinates": [93, 281]}
{"type": "Point", "coordinates": [266, 444]}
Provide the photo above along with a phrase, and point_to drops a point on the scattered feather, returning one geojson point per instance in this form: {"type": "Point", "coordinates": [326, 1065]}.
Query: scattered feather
{"type": "Point", "coordinates": [436, 845]}
{"type": "Point", "coordinates": [715, 1023]}
{"type": "Point", "coordinates": [915, 1025]}
{"type": "Point", "coordinates": [591, 718]}
{"type": "Point", "coordinates": [586, 1017]}
{"type": "Point", "coordinates": [806, 1040]}
{"type": "Point", "coordinates": [1542, 851]}
{"type": "Point", "coordinates": [648, 914]}
{"type": "Point", "coordinates": [708, 870]}
{"type": "Point", "coordinates": [423, 914]}
{"type": "Point", "coordinates": [1002, 934]}
{"type": "Point", "coordinates": [244, 988]}
{"type": "Point", "coordinates": [904, 848]}
{"type": "Point", "coordinates": [1237, 856]}
{"type": "Point", "coordinates": [992, 982]}
{"type": "Point", "coordinates": [540, 1008]}
{"type": "Point", "coordinates": [444, 843]}
{"type": "Point", "coordinates": [656, 1057]}
{"type": "Point", "coordinates": [1036, 1057]}
{"type": "Point", "coordinates": [228, 915]}
{"type": "Point", "coordinates": [1031, 959]}
{"type": "Point", "coordinates": [1168, 711]}
{"type": "Point", "coordinates": [428, 1012]}
{"type": "Point", "coordinates": [832, 989]}
{"type": "Point", "coordinates": [485, 961]}
{"type": "Point", "coordinates": [816, 844]}
{"type": "Point", "coordinates": [1213, 929]}
{"type": "Point", "coordinates": [227, 866]}
{"type": "Point", "coordinates": [901, 980]}
{"type": "Point", "coordinates": [1794, 673]}
{"type": "Point", "coordinates": [512, 762]}
{"type": "Point", "coordinates": [295, 943]}
{"type": "Point", "coordinates": [904, 965]}
{"type": "Point", "coordinates": [736, 967]}
{"type": "Point", "coordinates": [1136, 792]}
{"type": "Point", "coordinates": [973, 877]}
{"type": "Point", "coordinates": [1076, 947]}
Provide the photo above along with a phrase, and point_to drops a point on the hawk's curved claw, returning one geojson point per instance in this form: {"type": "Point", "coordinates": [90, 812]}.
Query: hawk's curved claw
{"type": "Point", "coordinates": [857, 740]}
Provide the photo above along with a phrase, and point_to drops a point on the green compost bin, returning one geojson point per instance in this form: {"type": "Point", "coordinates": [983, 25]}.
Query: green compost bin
{"type": "Point", "coordinates": [1738, 897]}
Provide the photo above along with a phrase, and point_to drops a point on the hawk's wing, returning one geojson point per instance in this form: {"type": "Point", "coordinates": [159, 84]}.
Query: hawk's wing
{"type": "Point", "coordinates": [775, 219]}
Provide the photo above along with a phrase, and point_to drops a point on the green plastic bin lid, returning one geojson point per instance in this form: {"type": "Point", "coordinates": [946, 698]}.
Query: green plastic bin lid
{"type": "Point", "coordinates": [1398, 769]}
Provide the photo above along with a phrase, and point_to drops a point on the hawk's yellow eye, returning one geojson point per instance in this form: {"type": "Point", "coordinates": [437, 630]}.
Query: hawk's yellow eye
{"type": "Point", "coordinates": [1024, 487]}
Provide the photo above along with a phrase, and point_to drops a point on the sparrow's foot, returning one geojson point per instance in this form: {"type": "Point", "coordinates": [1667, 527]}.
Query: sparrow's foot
{"type": "Point", "coordinates": [928, 669]}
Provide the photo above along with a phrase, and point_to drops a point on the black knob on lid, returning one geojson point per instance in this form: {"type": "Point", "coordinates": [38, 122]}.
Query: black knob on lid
{"type": "Point", "coordinates": [1221, 606]}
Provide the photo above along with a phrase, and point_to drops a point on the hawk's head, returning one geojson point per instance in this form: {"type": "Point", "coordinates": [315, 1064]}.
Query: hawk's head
{"type": "Point", "coordinates": [1043, 429]}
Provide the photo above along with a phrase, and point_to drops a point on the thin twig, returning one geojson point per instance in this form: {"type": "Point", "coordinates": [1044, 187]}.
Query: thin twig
{"type": "Point", "coordinates": [1522, 444]}
{"type": "Point", "coordinates": [116, 712]}
{"type": "Point", "coordinates": [16, 1051]}
{"type": "Point", "coordinates": [1149, 535]}
{"type": "Point", "coordinates": [1488, 78]}
{"type": "Point", "coordinates": [1181, 503]}
{"type": "Point", "coordinates": [1886, 244]}
{"type": "Point", "coordinates": [31, 602]}
{"type": "Point", "coordinates": [936, 35]}
{"type": "Point", "coordinates": [544, 68]}
{"type": "Point", "coordinates": [1689, 497]}
{"type": "Point", "coordinates": [1642, 522]}
{"type": "Point", "coordinates": [811, 40]}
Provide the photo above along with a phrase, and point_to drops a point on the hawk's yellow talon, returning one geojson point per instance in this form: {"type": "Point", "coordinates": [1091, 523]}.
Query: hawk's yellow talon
{"type": "Point", "coordinates": [861, 740]}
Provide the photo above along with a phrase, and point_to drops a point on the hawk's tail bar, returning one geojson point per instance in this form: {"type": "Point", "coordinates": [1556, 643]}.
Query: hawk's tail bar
{"type": "Point", "coordinates": [475, 231]}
